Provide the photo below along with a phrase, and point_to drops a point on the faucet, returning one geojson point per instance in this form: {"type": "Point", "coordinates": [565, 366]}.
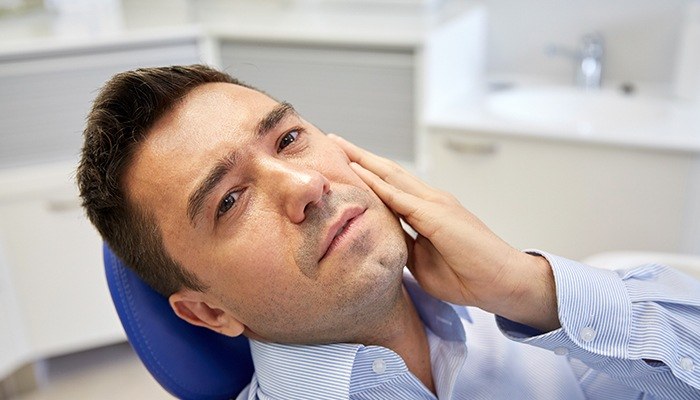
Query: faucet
{"type": "Point", "coordinates": [588, 60]}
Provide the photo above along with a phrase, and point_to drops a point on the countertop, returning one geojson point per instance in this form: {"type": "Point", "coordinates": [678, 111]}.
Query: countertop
{"type": "Point", "coordinates": [676, 129]}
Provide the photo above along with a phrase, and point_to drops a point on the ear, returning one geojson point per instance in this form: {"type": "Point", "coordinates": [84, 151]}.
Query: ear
{"type": "Point", "coordinates": [193, 307]}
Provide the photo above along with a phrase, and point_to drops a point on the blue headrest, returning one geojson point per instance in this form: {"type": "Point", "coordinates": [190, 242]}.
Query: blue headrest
{"type": "Point", "coordinates": [190, 362]}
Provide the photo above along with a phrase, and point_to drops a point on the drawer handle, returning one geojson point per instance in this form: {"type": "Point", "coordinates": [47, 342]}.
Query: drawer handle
{"type": "Point", "coordinates": [471, 147]}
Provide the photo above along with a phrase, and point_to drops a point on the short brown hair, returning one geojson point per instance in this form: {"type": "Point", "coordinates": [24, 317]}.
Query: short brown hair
{"type": "Point", "coordinates": [124, 111]}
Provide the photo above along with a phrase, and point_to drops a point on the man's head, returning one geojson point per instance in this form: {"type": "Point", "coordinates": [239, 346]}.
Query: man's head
{"type": "Point", "coordinates": [246, 216]}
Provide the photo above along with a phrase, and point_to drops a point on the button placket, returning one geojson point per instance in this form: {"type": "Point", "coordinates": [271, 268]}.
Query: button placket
{"type": "Point", "coordinates": [561, 351]}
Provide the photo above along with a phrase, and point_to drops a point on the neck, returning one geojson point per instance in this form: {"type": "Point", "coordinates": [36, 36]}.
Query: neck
{"type": "Point", "coordinates": [403, 332]}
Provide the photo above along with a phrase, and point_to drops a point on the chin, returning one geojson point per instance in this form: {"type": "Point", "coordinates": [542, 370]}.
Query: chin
{"type": "Point", "coordinates": [396, 250]}
{"type": "Point", "coordinates": [395, 258]}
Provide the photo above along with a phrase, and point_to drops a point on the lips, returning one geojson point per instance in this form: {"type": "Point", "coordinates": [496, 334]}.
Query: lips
{"type": "Point", "coordinates": [340, 225]}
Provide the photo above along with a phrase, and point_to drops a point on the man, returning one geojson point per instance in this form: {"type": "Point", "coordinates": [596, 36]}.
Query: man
{"type": "Point", "coordinates": [252, 221]}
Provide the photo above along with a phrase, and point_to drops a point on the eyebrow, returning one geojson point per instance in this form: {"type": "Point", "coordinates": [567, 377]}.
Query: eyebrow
{"type": "Point", "coordinates": [273, 118]}
{"type": "Point", "coordinates": [196, 200]}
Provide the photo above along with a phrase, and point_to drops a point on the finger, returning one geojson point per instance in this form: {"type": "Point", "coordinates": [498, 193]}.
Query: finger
{"type": "Point", "coordinates": [388, 170]}
{"type": "Point", "coordinates": [413, 209]}
{"type": "Point", "coordinates": [354, 152]}
{"type": "Point", "coordinates": [378, 165]}
{"type": "Point", "coordinates": [398, 200]}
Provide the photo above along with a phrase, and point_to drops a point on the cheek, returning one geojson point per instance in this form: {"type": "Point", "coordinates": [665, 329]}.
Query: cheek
{"type": "Point", "coordinates": [244, 279]}
{"type": "Point", "coordinates": [255, 258]}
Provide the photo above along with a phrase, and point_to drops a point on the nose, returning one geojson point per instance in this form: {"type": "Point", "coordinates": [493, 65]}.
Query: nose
{"type": "Point", "coordinates": [296, 187]}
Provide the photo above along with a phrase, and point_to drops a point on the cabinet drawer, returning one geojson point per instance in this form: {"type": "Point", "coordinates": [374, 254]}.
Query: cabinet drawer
{"type": "Point", "coordinates": [366, 96]}
{"type": "Point", "coordinates": [572, 199]}
{"type": "Point", "coordinates": [45, 98]}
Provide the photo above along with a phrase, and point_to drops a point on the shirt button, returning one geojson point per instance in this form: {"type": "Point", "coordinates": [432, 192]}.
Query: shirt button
{"type": "Point", "coordinates": [587, 334]}
{"type": "Point", "coordinates": [561, 351]}
{"type": "Point", "coordinates": [687, 364]}
{"type": "Point", "coordinates": [379, 366]}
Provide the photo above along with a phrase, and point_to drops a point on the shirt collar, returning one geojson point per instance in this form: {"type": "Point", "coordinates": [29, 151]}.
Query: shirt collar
{"type": "Point", "coordinates": [441, 317]}
{"type": "Point", "coordinates": [326, 371]}
{"type": "Point", "coordinates": [304, 371]}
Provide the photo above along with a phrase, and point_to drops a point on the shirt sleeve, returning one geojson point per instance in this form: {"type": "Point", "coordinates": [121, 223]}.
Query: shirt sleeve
{"type": "Point", "coordinates": [639, 326]}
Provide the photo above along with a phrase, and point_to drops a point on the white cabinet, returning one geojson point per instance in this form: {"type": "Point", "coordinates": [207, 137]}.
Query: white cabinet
{"type": "Point", "coordinates": [360, 80]}
{"type": "Point", "coordinates": [364, 94]}
{"type": "Point", "coordinates": [573, 199]}
{"type": "Point", "coordinates": [55, 264]}
{"type": "Point", "coordinates": [13, 346]}
{"type": "Point", "coordinates": [45, 95]}
{"type": "Point", "coordinates": [53, 294]}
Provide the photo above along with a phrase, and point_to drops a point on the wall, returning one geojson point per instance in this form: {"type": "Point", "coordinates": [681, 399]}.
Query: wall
{"type": "Point", "coordinates": [641, 36]}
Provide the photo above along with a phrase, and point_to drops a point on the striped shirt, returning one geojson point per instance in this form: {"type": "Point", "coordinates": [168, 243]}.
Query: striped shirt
{"type": "Point", "coordinates": [632, 334]}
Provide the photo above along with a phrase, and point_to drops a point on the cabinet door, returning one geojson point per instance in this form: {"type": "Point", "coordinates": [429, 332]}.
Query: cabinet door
{"type": "Point", "coordinates": [13, 348]}
{"type": "Point", "coordinates": [571, 199]}
{"type": "Point", "coordinates": [57, 271]}
{"type": "Point", "coordinates": [367, 96]}
{"type": "Point", "coordinates": [52, 253]}
{"type": "Point", "coordinates": [45, 97]}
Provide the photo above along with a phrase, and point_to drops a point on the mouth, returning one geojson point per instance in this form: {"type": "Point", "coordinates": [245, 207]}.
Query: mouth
{"type": "Point", "coordinates": [341, 230]}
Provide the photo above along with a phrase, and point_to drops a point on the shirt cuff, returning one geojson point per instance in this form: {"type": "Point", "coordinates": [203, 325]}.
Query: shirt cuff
{"type": "Point", "coordinates": [594, 309]}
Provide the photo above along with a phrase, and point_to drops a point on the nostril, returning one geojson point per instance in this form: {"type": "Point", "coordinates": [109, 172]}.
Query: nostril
{"type": "Point", "coordinates": [318, 203]}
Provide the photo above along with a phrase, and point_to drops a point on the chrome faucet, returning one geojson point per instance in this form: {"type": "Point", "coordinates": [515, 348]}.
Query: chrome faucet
{"type": "Point", "coordinates": [588, 58]}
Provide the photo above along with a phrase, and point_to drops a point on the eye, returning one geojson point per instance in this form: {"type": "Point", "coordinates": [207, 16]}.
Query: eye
{"type": "Point", "coordinates": [288, 138]}
{"type": "Point", "coordinates": [227, 202]}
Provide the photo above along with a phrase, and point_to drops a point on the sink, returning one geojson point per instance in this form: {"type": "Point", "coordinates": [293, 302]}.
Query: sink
{"type": "Point", "coordinates": [585, 111]}
{"type": "Point", "coordinates": [547, 111]}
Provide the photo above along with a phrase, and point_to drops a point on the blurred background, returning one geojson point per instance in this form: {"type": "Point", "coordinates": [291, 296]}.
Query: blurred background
{"type": "Point", "coordinates": [570, 126]}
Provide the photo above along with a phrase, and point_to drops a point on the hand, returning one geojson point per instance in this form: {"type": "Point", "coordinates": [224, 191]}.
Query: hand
{"type": "Point", "coordinates": [455, 256]}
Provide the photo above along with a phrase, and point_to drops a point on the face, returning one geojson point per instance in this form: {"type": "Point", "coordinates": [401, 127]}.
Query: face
{"type": "Point", "coordinates": [265, 211]}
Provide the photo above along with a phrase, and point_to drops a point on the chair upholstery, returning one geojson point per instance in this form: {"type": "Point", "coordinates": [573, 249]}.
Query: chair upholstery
{"type": "Point", "coordinates": [190, 362]}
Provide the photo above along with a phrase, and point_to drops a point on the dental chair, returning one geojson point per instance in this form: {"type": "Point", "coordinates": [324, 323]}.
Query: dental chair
{"type": "Point", "coordinates": [188, 361]}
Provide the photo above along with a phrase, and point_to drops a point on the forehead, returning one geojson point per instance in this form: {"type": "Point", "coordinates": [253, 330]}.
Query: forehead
{"type": "Point", "coordinates": [208, 111]}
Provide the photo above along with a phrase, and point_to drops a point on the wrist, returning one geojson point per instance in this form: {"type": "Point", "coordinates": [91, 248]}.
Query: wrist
{"type": "Point", "coordinates": [532, 298]}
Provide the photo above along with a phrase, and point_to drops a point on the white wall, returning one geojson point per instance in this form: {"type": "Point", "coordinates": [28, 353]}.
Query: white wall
{"type": "Point", "coordinates": [641, 36]}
